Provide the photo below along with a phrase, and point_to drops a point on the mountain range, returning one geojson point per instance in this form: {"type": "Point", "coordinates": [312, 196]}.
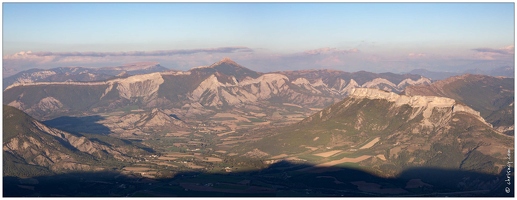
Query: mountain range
{"type": "Point", "coordinates": [506, 71]}
{"type": "Point", "coordinates": [81, 74]}
{"type": "Point", "coordinates": [222, 85]}
{"type": "Point", "coordinates": [278, 129]}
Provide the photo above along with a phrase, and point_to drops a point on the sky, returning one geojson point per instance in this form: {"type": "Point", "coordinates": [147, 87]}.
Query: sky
{"type": "Point", "coordinates": [377, 37]}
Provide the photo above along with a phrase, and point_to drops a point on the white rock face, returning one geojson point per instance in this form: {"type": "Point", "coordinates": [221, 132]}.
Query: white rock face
{"type": "Point", "coordinates": [413, 101]}
{"type": "Point", "coordinates": [339, 85]}
{"type": "Point", "coordinates": [301, 81]}
{"type": "Point", "coordinates": [408, 81]}
{"type": "Point", "coordinates": [248, 90]}
{"type": "Point", "coordinates": [426, 103]}
{"type": "Point", "coordinates": [266, 78]}
{"type": "Point", "coordinates": [268, 84]}
{"type": "Point", "coordinates": [376, 82]}
{"type": "Point", "coordinates": [211, 92]}
{"type": "Point", "coordinates": [29, 78]}
{"type": "Point", "coordinates": [319, 83]}
{"type": "Point", "coordinates": [53, 83]}
{"type": "Point", "coordinates": [175, 73]}
{"type": "Point", "coordinates": [304, 83]}
{"type": "Point", "coordinates": [350, 87]}
{"type": "Point", "coordinates": [49, 104]}
{"type": "Point", "coordinates": [211, 84]}
{"type": "Point", "coordinates": [464, 108]}
{"type": "Point", "coordinates": [139, 85]}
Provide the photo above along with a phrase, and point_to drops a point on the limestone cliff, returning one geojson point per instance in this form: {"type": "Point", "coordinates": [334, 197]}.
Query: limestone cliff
{"type": "Point", "coordinates": [427, 103]}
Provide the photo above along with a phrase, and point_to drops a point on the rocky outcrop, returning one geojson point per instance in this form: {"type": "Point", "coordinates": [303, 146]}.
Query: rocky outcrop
{"type": "Point", "coordinates": [158, 118]}
{"type": "Point", "coordinates": [413, 101]}
{"type": "Point", "coordinates": [350, 87]}
{"type": "Point", "coordinates": [211, 92]}
{"type": "Point", "coordinates": [139, 85]}
{"type": "Point", "coordinates": [144, 123]}
{"type": "Point", "coordinates": [377, 82]}
{"type": "Point", "coordinates": [384, 84]}
{"type": "Point", "coordinates": [486, 94]}
{"type": "Point", "coordinates": [49, 104]}
{"type": "Point", "coordinates": [428, 103]}
{"type": "Point", "coordinates": [35, 76]}
{"type": "Point", "coordinates": [408, 82]}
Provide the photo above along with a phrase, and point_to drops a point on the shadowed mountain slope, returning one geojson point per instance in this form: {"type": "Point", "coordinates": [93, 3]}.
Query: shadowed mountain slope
{"type": "Point", "coordinates": [30, 148]}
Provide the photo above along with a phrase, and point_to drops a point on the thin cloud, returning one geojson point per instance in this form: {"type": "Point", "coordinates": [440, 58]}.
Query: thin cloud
{"type": "Point", "coordinates": [509, 50]}
{"type": "Point", "coordinates": [179, 58]}
{"type": "Point", "coordinates": [137, 53]}
{"type": "Point", "coordinates": [504, 53]}
{"type": "Point", "coordinates": [328, 50]}
{"type": "Point", "coordinates": [265, 61]}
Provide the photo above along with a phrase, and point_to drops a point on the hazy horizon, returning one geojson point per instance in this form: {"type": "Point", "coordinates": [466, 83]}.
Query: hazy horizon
{"type": "Point", "coordinates": [376, 37]}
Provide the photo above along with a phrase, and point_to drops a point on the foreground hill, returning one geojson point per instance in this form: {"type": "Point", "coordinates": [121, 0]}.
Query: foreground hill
{"type": "Point", "coordinates": [493, 97]}
{"type": "Point", "coordinates": [386, 133]}
{"type": "Point", "coordinates": [30, 148]}
{"type": "Point", "coordinates": [220, 86]}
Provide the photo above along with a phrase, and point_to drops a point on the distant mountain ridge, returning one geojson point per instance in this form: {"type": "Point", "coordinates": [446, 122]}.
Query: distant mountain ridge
{"type": "Point", "coordinates": [82, 74]}
{"type": "Point", "coordinates": [506, 71]}
{"type": "Point", "coordinates": [225, 84]}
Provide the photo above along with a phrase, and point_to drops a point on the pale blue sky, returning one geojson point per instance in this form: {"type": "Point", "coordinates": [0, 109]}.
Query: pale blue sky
{"type": "Point", "coordinates": [379, 29]}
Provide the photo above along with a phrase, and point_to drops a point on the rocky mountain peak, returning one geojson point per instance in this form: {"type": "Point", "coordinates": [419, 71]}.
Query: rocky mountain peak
{"type": "Point", "coordinates": [228, 67]}
{"type": "Point", "coordinates": [227, 60]}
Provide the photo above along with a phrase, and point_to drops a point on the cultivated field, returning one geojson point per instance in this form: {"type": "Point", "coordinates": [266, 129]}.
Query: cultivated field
{"type": "Point", "coordinates": [328, 153]}
{"type": "Point", "coordinates": [371, 143]}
